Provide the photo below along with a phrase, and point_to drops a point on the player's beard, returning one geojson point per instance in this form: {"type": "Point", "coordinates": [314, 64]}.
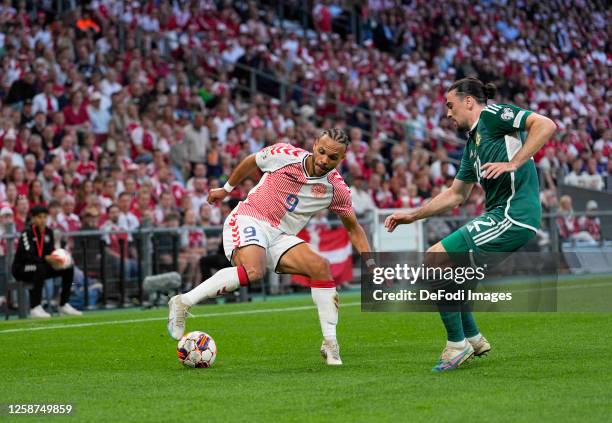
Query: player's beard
{"type": "Point", "coordinates": [320, 171]}
{"type": "Point", "coordinates": [463, 126]}
{"type": "Point", "coordinates": [316, 169]}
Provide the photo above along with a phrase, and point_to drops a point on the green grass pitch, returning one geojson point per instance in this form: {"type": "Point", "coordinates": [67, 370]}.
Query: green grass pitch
{"type": "Point", "coordinates": [121, 367]}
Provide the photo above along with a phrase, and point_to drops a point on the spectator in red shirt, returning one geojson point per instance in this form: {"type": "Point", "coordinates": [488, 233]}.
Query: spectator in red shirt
{"type": "Point", "coordinates": [322, 17]}
{"type": "Point", "coordinates": [114, 238]}
{"type": "Point", "coordinates": [567, 223]}
{"type": "Point", "coordinates": [11, 195]}
{"type": "Point", "coordinates": [35, 194]}
{"type": "Point", "coordinates": [17, 176]}
{"type": "Point", "coordinates": [67, 219]}
{"type": "Point", "coordinates": [589, 223]}
{"type": "Point", "coordinates": [143, 201]}
{"type": "Point", "coordinates": [65, 152]}
{"type": "Point", "coordinates": [85, 189]}
{"type": "Point", "coordinates": [22, 207]}
{"type": "Point", "coordinates": [58, 192]}
{"type": "Point", "coordinates": [193, 246]}
{"type": "Point", "coordinates": [75, 113]}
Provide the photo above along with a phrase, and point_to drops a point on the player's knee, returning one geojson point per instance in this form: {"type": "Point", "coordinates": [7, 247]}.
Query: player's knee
{"type": "Point", "coordinates": [320, 269]}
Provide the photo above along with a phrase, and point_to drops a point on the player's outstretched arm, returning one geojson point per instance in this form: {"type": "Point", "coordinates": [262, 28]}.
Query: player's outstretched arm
{"type": "Point", "coordinates": [441, 203]}
{"type": "Point", "coordinates": [244, 169]}
{"type": "Point", "coordinates": [356, 233]}
{"type": "Point", "coordinates": [539, 130]}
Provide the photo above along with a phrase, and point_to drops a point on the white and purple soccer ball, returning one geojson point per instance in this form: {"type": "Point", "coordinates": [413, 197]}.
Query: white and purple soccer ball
{"type": "Point", "coordinates": [197, 349]}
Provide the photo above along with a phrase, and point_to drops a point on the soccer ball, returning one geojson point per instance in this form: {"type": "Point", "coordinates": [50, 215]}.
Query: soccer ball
{"type": "Point", "coordinates": [63, 257]}
{"type": "Point", "coordinates": [197, 349]}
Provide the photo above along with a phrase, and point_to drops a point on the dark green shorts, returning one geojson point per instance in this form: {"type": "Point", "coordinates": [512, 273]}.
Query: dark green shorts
{"type": "Point", "coordinates": [490, 233]}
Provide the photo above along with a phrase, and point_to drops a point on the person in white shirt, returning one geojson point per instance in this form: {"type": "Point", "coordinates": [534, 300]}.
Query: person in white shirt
{"type": "Point", "coordinates": [67, 219]}
{"type": "Point", "coordinates": [197, 139]}
{"type": "Point", "coordinates": [574, 178]}
{"type": "Point", "coordinates": [199, 171]}
{"type": "Point", "coordinates": [165, 207]}
{"type": "Point", "coordinates": [362, 200]}
{"type": "Point", "coordinates": [99, 117]}
{"type": "Point", "coordinates": [233, 53]}
{"type": "Point", "coordinates": [8, 150]}
{"type": "Point", "coordinates": [223, 122]}
{"type": "Point", "coordinates": [45, 102]}
{"type": "Point", "coordinates": [592, 179]}
{"type": "Point", "coordinates": [127, 219]}
{"type": "Point", "coordinates": [199, 196]}
{"type": "Point", "coordinates": [436, 166]}
{"type": "Point", "coordinates": [549, 161]}
{"type": "Point", "coordinates": [64, 151]}
{"type": "Point", "coordinates": [257, 140]}
{"type": "Point", "coordinates": [109, 85]}
{"type": "Point", "coordinates": [2, 178]}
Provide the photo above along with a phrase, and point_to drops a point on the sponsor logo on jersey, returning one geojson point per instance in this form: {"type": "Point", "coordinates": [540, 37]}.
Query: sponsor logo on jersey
{"type": "Point", "coordinates": [318, 190]}
{"type": "Point", "coordinates": [507, 114]}
{"type": "Point", "coordinates": [477, 139]}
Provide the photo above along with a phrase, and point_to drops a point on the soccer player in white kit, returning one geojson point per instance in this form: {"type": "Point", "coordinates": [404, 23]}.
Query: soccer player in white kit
{"type": "Point", "coordinates": [260, 233]}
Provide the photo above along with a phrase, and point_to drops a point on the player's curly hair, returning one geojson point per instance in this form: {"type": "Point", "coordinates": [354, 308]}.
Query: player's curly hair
{"type": "Point", "coordinates": [475, 88]}
{"type": "Point", "coordinates": [336, 134]}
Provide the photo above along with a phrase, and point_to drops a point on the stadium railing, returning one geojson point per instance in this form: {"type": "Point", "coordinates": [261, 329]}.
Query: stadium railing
{"type": "Point", "coordinates": [119, 279]}
{"type": "Point", "coordinates": [117, 275]}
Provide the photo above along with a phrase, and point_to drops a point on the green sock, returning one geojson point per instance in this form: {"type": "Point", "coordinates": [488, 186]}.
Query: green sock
{"type": "Point", "coordinates": [452, 323]}
{"type": "Point", "coordinates": [469, 324]}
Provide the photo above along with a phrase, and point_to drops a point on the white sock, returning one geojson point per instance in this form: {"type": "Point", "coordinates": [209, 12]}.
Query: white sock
{"type": "Point", "coordinates": [475, 338]}
{"type": "Point", "coordinates": [225, 280]}
{"type": "Point", "coordinates": [457, 345]}
{"type": "Point", "coordinates": [326, 300]}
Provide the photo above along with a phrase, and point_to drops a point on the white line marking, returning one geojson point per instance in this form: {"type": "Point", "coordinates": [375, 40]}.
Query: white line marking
{"type": "Point", "coordinates": [237, 313]}
{"type": "Point", "coordinates": [155, 319]}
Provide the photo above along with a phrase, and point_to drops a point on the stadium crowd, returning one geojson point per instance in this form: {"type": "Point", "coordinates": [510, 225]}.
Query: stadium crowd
{"type": "Point", "coordinates": [144, 106]}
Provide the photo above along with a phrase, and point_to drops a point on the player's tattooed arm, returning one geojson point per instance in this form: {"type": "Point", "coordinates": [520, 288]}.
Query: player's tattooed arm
{"type": "Point", "coordinates": [443, 202]}
{"type": "Point", "coordinates": [539, 130]}
{"type": "Point", "coordinates": [244, 169]}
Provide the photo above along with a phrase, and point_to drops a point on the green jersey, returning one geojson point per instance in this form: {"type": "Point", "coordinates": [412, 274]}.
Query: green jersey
{"type": "Point", "coordinates": [497, 136]}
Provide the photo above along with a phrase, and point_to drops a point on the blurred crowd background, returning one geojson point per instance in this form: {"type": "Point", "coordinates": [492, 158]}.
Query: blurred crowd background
{"type": "Point", "coordinates": [113, 113]}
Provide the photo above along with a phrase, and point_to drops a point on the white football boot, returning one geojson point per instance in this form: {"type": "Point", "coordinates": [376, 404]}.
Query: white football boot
{"type": "Point", "coordinates": [452, 358]}
{"type": "Point", "coordinates": [176, 318]}
{"type": "Point", "coordinates": [39, 313]}
{"type": "Point", "coordinates": [330, 351]}
{"type": "Point", "coordinates": [481, 346]}
{"type": "Point", "coordinates": [68, 310]}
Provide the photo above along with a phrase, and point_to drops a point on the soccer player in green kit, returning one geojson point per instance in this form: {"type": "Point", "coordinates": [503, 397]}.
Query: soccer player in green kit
{"type": "Point", "coordinates": [499, 157]}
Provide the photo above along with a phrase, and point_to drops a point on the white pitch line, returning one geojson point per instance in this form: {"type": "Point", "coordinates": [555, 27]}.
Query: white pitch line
{"type": "Point", "coordinates": [154, 319]}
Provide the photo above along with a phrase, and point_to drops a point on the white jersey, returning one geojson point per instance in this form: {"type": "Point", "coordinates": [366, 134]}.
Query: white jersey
{"type": "Point", "coordinates": [286, 197]}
